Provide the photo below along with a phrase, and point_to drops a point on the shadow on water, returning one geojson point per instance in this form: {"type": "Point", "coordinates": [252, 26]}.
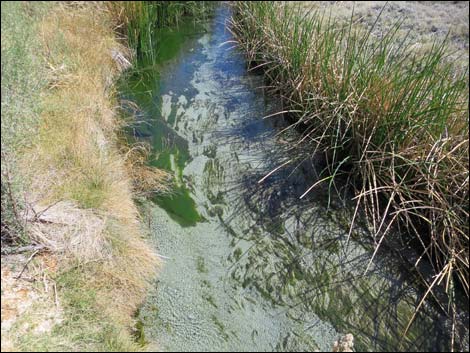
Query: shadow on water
{"type": "Point", "coordinates": [300, 256]}
{"type": "Point", "coordinates": [250, 265]}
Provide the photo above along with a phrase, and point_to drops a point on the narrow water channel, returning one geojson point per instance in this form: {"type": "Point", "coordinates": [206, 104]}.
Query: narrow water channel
{"type": "Point", "coordinates": [247, 266]}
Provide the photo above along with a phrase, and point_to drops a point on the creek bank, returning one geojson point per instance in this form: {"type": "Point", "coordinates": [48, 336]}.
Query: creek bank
{"type": "Point", "coordinates": [76, 202]}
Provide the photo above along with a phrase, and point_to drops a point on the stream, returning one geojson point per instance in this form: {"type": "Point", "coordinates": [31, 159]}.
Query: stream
{"type": "Point", "coordinates": [247, 265]}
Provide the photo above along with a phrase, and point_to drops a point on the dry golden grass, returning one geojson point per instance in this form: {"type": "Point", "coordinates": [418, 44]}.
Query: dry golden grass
{"type": "Point", "coordinates": [80, 193]}
{"type": "Point", "coordinates": [146, 179]}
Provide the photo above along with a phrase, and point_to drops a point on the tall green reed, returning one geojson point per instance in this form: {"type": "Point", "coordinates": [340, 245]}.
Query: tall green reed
{"type": "Point", "coordinates": [397, 120]}
{"type": "Point", "coordinates": [140, 20]}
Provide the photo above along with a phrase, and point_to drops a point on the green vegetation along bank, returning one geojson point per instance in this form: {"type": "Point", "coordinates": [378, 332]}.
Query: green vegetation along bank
{"type": "Point", "coordinates": [389, 120]}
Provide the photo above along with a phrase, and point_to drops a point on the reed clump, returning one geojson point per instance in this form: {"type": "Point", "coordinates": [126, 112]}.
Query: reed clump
{"type": "Point", "coordinates": [393, 121]}
{"type": "Point", "coordinates": [138, 21]}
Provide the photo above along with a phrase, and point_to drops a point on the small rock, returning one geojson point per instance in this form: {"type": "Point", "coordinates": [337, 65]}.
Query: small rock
{"type": "Point", "coordinates": [344, 344]}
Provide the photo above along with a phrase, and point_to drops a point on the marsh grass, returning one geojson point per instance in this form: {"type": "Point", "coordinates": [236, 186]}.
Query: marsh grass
{"type": "Point", "coordinates": [393, 122]}
{"type": "Point", "coordinates": [74, 172]}
{"type": "Point", "coordinates": [138, 22]}
{"type": "Point", "coordinates": [77, 147]}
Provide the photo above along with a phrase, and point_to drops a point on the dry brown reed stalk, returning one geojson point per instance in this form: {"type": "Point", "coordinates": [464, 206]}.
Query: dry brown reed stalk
{"type": "Point", "coordinates": [147, 180]}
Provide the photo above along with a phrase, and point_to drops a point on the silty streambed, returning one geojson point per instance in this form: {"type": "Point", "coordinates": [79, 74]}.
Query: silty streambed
{"type": "Point", "coordinates": [248, 266]}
